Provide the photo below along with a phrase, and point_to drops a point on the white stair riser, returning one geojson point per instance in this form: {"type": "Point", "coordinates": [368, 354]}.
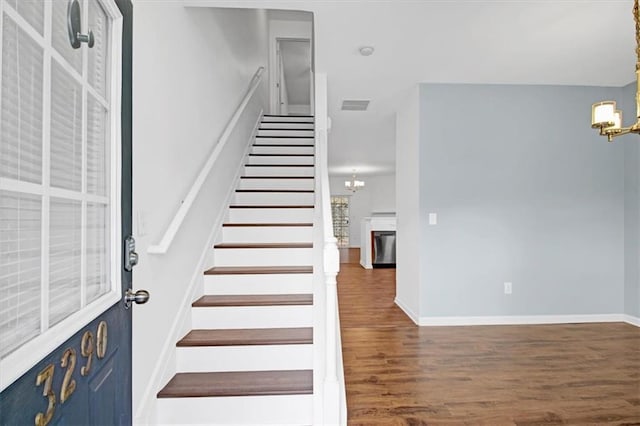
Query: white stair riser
{"type": "Point", "coordinates": [285, 159]}
{"type": "Point", "coordinates": [244, 358]}
{"type": "Point", "coordinates": [267, 234]}
{"type": "Point", "coordinates": [277, 215]}
{"type": "Point", "coordinates": [291, 118]}
{"type": "Point", "coordinates": [278, 171]}
{"type": "Point", "coordinates": [236, 317]}
{"type": "Point", "coordinates": [273, 183]}
{"type": "Point", "coordinates": [284, 141]}
{"type": "Point", "coordinates": [261, 149]}
{"type": "Point", "coordinates": [274, 198]}
{"type": "Point", "coordinates": [276, 132]}
{"type": "Point", "coordinates": [254, 410]}
{"type": "Point", "coordinates": [289, 125]}
{"type": "Point", "coordinates": [264, 257]}
{"type": "Point", "coordinates": [258, 284]}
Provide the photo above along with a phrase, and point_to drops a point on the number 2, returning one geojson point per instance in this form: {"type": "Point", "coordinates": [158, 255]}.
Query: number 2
{"type": "Point", "coordinates": [68, 383]}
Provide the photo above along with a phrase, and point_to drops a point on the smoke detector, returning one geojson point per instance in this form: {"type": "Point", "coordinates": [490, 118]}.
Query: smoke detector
{"type": "Point", "coordinates": [366, 50]}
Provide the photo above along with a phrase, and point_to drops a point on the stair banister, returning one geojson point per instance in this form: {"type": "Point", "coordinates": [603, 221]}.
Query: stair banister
{"type": "Point", "coordinates": [333, 397]}
{"type": "Point", "coordinates": [163, 246]}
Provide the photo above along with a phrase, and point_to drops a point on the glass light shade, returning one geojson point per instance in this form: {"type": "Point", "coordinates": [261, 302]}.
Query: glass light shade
{"type": "Point", "coordinates": [358, 184]}
{"type": "Point", "coordinates": [617, 121]}
{"type": "Point", "coordinates": [603, 114]}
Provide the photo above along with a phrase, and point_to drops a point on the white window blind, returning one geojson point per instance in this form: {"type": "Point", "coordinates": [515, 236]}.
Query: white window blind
{"type": "Point", "coordinates": [98, 65]}
{"type": "Point", "coordinates": [60, 35]}
{"type": "Point", "coordinates": [66, 130]}
{"type": "Point", "coordinates": [20, 256]}
{"type": "Point", "coordinates": [56, 210]}
{"type": "Point", "coordinates": [21, 112]}
{"type": "Point", "coordinates": [32, 11]}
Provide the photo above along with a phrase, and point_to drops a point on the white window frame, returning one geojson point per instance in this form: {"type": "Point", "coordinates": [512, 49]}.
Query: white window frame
{"type": "Point", "coordinates": [28, 355]}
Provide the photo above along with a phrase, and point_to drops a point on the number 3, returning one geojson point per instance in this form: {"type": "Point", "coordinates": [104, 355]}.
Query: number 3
{"type": "Point", "coordinates": [46, 376]}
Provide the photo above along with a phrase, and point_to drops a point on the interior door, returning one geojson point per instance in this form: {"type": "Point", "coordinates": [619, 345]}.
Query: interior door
{"type": "Point", "coordinates": [79, 313]}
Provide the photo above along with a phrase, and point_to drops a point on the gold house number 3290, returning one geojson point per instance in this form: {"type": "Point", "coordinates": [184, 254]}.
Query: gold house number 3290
{"type": "Point", "coordinates": [68, 361]}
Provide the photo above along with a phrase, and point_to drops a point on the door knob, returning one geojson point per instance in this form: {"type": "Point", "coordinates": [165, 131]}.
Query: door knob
{"type": "Point", "coordinates": [139, 297]}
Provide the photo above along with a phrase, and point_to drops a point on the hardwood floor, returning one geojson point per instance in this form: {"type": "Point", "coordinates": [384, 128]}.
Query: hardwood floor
{"type": "Point", "coordinates": [399, 374]}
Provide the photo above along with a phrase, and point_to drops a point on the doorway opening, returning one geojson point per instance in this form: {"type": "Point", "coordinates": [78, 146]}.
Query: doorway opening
{"type": "Point", "coordinates": [293, 76]}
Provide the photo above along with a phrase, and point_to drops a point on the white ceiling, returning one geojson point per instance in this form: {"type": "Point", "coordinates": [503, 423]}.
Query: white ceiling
{"type": "Point", "coordinates": [565, 42]}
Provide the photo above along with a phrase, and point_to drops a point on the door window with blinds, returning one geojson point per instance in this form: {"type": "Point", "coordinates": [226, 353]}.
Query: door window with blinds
{"type": "Point", "coordinates": [340, 215]}
{"type": "Point", "coordinates": [59, 168]}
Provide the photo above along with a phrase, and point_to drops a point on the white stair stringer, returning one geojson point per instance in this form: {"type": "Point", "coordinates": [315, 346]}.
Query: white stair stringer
{"type": "Point", "coordinates": [260, 288]}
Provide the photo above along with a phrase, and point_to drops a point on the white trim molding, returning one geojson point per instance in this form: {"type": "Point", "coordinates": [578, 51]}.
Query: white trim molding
{"type": "Point", "coordinates": [408, 311]}
{"type": "Point", "coordinates": [629, 319]}
{"type": "Point", "coordinates": [524, 319]}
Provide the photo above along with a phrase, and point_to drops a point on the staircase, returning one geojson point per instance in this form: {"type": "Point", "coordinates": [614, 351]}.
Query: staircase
{"type": "Point", "coordinates": [249, 357]}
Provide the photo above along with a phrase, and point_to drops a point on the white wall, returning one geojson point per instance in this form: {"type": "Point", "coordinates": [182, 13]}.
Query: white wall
{"type": "Point", "coordinates": [378, 195]}
{"type": "Point", "coordinates": [191, 68]}
{"type": "Point", "coordinates": [408, 225]}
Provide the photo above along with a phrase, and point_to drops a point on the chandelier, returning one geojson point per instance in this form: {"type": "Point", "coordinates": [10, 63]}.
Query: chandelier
{"type": "Point", "coordinates": [604, 115]}
{"type": "Point", "coordinates": [353, 185]}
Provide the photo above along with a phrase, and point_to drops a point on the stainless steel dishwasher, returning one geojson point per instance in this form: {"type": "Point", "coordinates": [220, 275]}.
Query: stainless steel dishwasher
{"type": "Point", "coordinates": [384, 249]}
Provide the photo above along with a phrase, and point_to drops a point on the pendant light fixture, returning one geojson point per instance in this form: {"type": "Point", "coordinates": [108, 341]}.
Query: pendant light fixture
{"type": "Point", "coordinates": [604, 115]}
{"type": "Point", "coordinates": [353, 185]}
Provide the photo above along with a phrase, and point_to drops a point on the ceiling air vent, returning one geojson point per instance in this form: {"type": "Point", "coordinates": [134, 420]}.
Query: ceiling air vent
{"type": "Point", "coordinates": [352, 105]}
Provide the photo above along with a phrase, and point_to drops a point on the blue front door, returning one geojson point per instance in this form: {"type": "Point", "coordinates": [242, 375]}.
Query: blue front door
{"type": "Point", "coordinates": [87, 379]}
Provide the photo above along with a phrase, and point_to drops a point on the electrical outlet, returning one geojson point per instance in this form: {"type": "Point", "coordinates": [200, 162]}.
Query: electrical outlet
{"type": "Point", "coordinates": [508, 288]}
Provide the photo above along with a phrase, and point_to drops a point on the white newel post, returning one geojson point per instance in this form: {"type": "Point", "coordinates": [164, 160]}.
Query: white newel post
{"type": "Point", "coordinates": [331, 386]}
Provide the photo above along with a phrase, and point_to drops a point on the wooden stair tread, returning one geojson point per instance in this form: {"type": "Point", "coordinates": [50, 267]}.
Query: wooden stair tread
{"type": "Point", "coordinates": [239, 383]}
{"type": "Point", "coordinates": [286, 129]}
{"type": "Point", "coordinates": [258, 270]}
{"type": "Point", "coordinates": [248, 337]}
{"type": "Point", "coordinates": [270, 206]}
{"type": "Point", "coordinates": [254, 300]}
{"type": "Point", "coordinates": [262, 245]}
{"type": "Point", "coordinates": [276, 177]}
{"type": "Point", "coordinates": [289, 115]}
{"type": "Point", "coordinates": [277, 190]}
{"type": "Point", "coordinates": [266, 224]}
{"type": "Point", "coordinates": [279, 165]}
{"type": "Point", "coordinates": [284, 136]}
{"type": "Point", "coordinates": [281, 155]}
{"type": "Point", "coordinates": [284, 145]}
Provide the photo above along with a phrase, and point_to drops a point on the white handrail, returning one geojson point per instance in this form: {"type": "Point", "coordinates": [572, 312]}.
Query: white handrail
{"type": "Point", "coordinates": [176, 222]}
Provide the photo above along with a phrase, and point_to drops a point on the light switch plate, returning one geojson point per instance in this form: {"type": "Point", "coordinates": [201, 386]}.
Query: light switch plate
{"type": "Point", "coordinates": [433, 218]}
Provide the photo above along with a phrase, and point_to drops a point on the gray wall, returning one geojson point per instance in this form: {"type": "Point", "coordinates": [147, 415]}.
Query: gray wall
{"type": "Point", "coordinates": [526, 192]}
{"type": "Point", "coordinates": [631, 208]}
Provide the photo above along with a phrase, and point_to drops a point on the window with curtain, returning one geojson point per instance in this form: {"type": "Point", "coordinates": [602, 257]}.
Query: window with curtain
{"type": "Point", "coordinates": [55, 167]}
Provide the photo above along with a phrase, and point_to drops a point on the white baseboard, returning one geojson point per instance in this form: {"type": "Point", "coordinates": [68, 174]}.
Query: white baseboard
{"type": "Point", "coordinates": [522, 319]}
{"type": "Point", "coordinates": [166, 362]}
{"type": "Point", "coordinates": [629, 319]}
{"type": "Point", "coordinates": [407, 311]}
